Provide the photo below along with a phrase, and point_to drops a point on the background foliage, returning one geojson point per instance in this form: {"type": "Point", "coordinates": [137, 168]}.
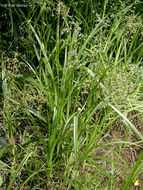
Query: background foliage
{"type": "Point", "coordinates": [71, 94]}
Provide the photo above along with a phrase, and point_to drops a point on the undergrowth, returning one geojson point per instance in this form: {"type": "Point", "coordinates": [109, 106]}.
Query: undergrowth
{"type": "Point", "coordinates": [71, 98]}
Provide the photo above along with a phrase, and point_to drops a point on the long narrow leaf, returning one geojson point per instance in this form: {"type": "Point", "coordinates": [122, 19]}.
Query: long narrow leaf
{"type": "Point", "coordinates": [18, 170]}
{"type": "Point", "coordinates": [130, 178]}
{"type": "Point", "coordinates": [127, 121]}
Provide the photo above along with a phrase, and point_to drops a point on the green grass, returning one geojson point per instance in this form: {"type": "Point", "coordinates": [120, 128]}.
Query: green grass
{"type": "Point", "coordinates": [71, 106]}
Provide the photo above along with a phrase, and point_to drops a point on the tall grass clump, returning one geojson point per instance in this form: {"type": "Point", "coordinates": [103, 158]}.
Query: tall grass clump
{"type": "Point", "coordinates": [71, 106]}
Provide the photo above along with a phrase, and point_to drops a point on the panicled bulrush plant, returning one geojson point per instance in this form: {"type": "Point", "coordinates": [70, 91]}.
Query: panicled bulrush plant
{"type": "Point", "coordinates": [75, 89]}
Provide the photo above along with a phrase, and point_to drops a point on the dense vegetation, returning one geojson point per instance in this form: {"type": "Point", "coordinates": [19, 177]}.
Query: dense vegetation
{"type": "Point", "coordinates": [71, 98]}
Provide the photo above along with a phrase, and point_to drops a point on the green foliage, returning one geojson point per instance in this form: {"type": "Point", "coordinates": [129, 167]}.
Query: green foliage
{"type": "Point", "coordinates": [71, 95]}
{"type": "Point", "coordinates": [1, 181]}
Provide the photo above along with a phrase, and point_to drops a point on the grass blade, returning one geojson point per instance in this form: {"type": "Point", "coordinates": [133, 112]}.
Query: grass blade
{"type": "Point", "coordinates": [43, 51]}
{"type": "Point", "coordinates": [18, 170]}
{"type": "Point", "coordinates": [131, 176]}
{"type": "Point", "coordinates": [127, 121]}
